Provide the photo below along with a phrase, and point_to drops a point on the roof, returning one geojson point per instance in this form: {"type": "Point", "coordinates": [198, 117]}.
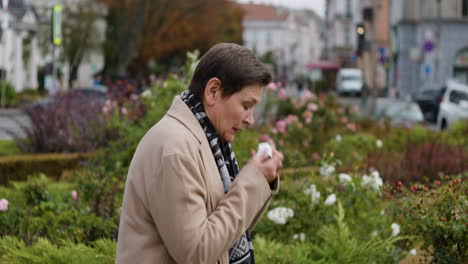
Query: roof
{"type": "Point", "coordinates": [263, 12]}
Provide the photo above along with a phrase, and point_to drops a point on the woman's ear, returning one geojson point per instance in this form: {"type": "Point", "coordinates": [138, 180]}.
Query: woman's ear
{"type": "Point", "coordinates": [212, 91]}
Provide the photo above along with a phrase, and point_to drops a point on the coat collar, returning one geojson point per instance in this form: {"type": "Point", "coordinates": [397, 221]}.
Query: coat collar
{"type": "Point", "coordinates": [180, 111]}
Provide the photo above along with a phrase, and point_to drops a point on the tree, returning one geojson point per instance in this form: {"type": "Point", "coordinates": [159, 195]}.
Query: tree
{"type": "Point", "coordinates": [139, 30]}
{"type": "Point", "coordinates": [220, 21]}
{"type": "Point", "coordinates": [81, 34]}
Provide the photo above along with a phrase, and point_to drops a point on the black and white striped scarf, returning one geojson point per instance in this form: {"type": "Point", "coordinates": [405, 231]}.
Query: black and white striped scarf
{"type": "Point", "coordinates": [242, 251]}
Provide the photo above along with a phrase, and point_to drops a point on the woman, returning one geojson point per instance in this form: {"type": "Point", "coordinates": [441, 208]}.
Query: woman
{"type": "Point", "coordinates": [185, 199]}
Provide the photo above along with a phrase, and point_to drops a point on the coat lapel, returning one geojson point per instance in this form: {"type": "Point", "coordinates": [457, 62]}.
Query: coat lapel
{"type": "Point", "coordinates": [181, 112]}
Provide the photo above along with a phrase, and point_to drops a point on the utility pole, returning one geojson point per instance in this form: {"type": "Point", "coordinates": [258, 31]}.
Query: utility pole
{"type": "Point", "coordinates": [56, 41]}
{"type": "Point", "coordinates": [4, 53]}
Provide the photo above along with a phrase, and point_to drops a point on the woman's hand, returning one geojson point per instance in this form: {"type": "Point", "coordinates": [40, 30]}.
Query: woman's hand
{"type": "Point", "coordinates": [270, 167]}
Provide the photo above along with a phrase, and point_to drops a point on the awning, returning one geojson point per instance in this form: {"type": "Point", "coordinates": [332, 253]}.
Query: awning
{"type": "Point", "coordinates": [323, 65]}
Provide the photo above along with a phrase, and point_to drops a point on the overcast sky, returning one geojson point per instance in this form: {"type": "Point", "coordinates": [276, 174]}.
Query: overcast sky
{"type": "Point", "coordinates": [317, 5]}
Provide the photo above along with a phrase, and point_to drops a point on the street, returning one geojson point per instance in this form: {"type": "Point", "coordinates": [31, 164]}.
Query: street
{"type": "Point", "coordinates": [9, 119]}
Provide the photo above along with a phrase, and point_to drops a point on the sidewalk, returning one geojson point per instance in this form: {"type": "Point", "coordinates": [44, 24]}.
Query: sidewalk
{"type": "Point", "coordinates": [10, 112]}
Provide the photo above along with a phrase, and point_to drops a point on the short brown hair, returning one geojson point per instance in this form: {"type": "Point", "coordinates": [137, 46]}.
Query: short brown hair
{"type": "Point", "coordinates": [234, 65]}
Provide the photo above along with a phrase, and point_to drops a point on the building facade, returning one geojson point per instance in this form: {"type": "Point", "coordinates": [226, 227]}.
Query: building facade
{"type": "Point", "coordinates": [342, 17]}
{"type": "Point", "coordinates": [291, 37]}
{"type": "Point", "coordinates": [431, 43]}
{"type": "Point", "coordinates": [22, 53]}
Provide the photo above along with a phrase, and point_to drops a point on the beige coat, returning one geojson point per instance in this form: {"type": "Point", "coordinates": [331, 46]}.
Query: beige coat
{"type": "Point", "coordinates": [174, 208]}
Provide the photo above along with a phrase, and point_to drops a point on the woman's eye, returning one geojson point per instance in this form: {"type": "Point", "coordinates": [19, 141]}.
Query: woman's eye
{"type": "Point", "coordinates": [246, 107]}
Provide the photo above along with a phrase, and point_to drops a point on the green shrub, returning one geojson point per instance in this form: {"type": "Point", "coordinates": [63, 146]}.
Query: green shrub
{"type": "Point", "coordinates": [457, 133]}
{"type": "Point", "coordinates": [269, 251]}
{"type": "Point", "coordinates": [38, 208]}
{"type": "Point", "coordinates": [437, 216]}
{"type": "Point", "coordinates": [17, 168]}
{"type": "Point", "coordinates": [8, 148]}
{"type": "Point", "coordinates": [352, 149]}
{"type": "Point", "coordinates": [363, 207]}
{"type": "Point", "coordinates": [10, 93]}
{"type": "Point", "coordinates": [335, 244]}
{"type": "Point", "coordinates": [14, 250]}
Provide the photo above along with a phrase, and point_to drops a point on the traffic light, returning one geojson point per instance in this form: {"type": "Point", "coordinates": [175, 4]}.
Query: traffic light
{"type": "Point", "coordinates": [361, 38]}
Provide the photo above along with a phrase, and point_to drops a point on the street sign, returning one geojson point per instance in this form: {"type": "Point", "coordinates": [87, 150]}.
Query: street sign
{"type": "Point", "coordinates": [57, 25]}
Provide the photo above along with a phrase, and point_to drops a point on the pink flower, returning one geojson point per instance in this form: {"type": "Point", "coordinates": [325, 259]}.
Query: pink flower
{"type": "Point", "coordinates": [355, 108]}
{"type": "Point", "coordinates": [281, 126]}
{"type": "Point", "coordinates": [290, 119]}
{"type": "Point", "coordinates": [274, 131]}
{"type": "Point", "coordinates": [306, 95]}
{"type": "Point", "coordinates": [3, 205]}
{"type": "Point", "coordinates": [134, 97]}
{"type": "Point", "coordinates": [340, 110]}
{"type": "Point", "coordinates": [281, 142]}
{"type": "Point", "coordinates": [271, 86]}
{"type": "Point", "coordinates": [308, 120]}
{"type": "Point", "coordinates": [315, 156]}
{"type": "Point", "coordinates": [312, 107]}
{"type": "Point", "coordinates": [105, 109]}
{"type": "Point", "coordinates": [305, 143]}
{"type": "Point", "coordinates": [344, 120]}
{"type": "Point", "coordinates": [265, 137]}
{"type": "Point", "coordinates": [279, 84]}
{"type": "Point", "coordinates": [351, 126]}
{"type": "Point", "coordinates": [282, 94]}
{"type": "Point", "coordinates": [124, 111]}
{"type": "Point", "coordinates": [74, 195]}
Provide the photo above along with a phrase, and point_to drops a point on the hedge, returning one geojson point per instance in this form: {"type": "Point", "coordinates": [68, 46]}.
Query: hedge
{"type": "Point", "coordinates": [18, 168]}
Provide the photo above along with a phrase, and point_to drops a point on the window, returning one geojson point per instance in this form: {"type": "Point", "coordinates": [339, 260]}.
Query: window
{"type": "Point", "coordinates": [457, 96]}
{"type": "Point", "coordinates": [347, 36]}
{"type": "Point", "coordinates": [348, 9]}
{"type": "Point", "coordinates": [464, 8]}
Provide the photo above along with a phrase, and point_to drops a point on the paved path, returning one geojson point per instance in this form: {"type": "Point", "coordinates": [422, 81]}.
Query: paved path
{"type": "Point", "coordinates": [9, 119]}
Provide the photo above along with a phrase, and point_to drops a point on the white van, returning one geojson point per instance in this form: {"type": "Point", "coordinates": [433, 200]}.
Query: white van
{"type": "Point", "coordinates": [349, 80]}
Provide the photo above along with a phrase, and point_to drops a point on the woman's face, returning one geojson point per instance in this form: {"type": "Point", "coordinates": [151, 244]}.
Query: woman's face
{"type": "Point", "coordinates": [231, 114]}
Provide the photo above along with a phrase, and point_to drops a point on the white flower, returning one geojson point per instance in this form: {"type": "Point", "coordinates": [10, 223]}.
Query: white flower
{"type": "Point", "coordinates": [327, 170]}
{"type": "Point", "coordinates": [279, 215]}
{"type": "Point", "coordinates": [146, 93]}
{"type": "Point", "coordinates": [331, 199]}
{"type": "Point", "coordinates": [413, 252]}
{"type": "Point", "coordinates": [374, 233]}
{"type": "Point", "coordinates": [395, 229]}
{"type": "Point", "coordinates": [314, 194]}
{"type": "Point", "coordinates": [300, 236]}
{"type": "Point", "coordinates": [3, 204]}
{"type": "Point", "coordinates": [372, 182]}
{"type": "Point", "coordinates": [338, 138]}
{"type": "Point", "coordinates": [382, 212]}
{"type": "Point", "coordinates": [379, 143]}
{"type": "Point", "coordinates": [345, 178]}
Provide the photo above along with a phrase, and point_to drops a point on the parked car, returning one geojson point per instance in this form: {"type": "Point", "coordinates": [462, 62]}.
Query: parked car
{"type": "Point", "coordinates": [454, 106]}
{"type": "Point", "coordinates": [399, 112]}
{"type": "Point", "coordinates": [429, 101]}
{"type": "Point", "coordinates": [349, 81]}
